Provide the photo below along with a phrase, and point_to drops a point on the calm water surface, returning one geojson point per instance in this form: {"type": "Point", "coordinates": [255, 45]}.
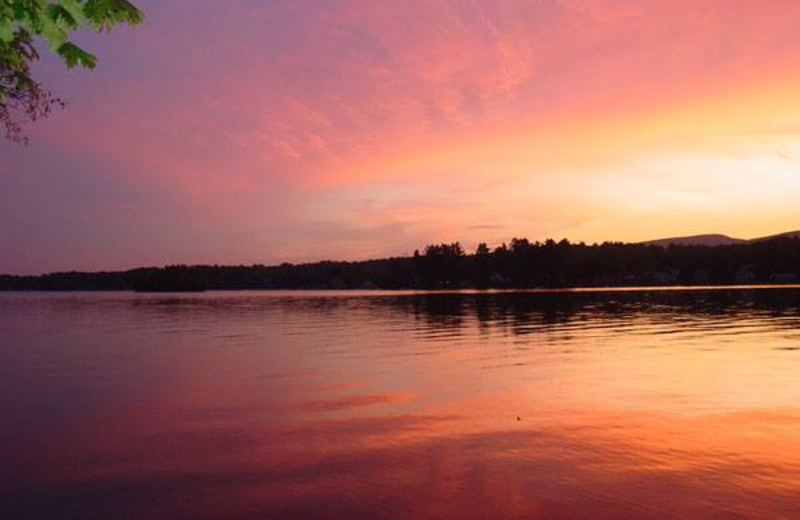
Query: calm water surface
{"type": "Point", "coordinates": [602, 406]}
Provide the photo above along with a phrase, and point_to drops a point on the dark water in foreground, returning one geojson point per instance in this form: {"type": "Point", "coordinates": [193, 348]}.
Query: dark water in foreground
{"type": "Point", "coordinates": [641, 405]}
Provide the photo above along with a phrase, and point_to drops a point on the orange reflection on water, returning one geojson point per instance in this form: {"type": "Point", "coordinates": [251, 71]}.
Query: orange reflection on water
{"type": "Point", "coordinates": [553, 406]}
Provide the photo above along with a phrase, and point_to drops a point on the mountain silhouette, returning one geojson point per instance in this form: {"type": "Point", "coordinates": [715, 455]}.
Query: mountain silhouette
{"type": "Point", "coordinates": [715, 240]}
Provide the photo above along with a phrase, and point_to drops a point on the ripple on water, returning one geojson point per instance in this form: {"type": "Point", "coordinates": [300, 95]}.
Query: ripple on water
{"type": "Point", "coordinates": [603, 406]}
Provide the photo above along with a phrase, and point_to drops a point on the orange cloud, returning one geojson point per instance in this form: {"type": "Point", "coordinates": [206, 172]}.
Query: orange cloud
{"type": "Point", "coordinates": [260, 122]}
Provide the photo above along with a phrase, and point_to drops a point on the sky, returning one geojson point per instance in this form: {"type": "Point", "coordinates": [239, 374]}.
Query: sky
{"type": "Point", "coordinates": [264, 131]}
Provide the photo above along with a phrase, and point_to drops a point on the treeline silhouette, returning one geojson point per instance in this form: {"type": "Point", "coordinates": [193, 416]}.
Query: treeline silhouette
{"type": "Point", "coordinates": [518, 264]}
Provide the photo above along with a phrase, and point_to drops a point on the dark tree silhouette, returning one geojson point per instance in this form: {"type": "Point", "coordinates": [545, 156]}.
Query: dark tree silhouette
{"type": "Point", "coordinates": [446, 266]}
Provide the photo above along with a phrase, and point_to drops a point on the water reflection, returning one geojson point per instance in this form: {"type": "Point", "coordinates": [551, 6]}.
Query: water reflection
{"type": "Point", "coordinates": [653, 404]}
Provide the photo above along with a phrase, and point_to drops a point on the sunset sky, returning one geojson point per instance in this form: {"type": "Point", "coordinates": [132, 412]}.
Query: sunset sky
{"type": "Point", "coordinates": [263, 131]}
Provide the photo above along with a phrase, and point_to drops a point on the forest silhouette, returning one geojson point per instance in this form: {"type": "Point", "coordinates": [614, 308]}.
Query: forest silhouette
{"type": "Point", "coordinates": [518, 264]}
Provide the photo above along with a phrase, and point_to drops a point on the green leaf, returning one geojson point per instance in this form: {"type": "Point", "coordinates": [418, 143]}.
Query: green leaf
{"type": "Point", "coordinates": [61, 16]}
{"type": "Point", "coordinates": [127, 12]}
{"type": "Point", "coordinates": [54, 35]}
{"type": "Point", "coordinates": [6, 31]}
{"type": "Point", "coordinates": [105, 14]}
{"type": "Point", "coordinates": [75, 9]}
{"type": "Point", "coordinates": [74, 55]}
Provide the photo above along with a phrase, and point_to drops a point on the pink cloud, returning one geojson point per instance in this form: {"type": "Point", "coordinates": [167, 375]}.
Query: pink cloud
{"type": "Point", "coordinates": [247, 116]}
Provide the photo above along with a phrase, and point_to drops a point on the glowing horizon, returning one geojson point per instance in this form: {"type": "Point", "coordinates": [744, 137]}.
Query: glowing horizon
{"type": "Point", "coordinates": [250, 132]}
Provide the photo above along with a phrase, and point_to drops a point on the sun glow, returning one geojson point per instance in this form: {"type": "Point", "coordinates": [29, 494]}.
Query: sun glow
{"type": "Point", "coordinates": [357, 131]}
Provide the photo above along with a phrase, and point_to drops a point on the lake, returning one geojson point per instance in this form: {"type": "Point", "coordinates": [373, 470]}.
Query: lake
{"type": "Point", "coordinates": [651, 404]}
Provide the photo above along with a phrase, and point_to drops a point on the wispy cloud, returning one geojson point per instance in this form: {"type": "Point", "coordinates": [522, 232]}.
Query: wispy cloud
{"type": "Point", "coordinates": [239, 123]}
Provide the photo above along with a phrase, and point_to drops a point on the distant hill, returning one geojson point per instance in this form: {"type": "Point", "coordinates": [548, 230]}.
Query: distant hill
{"type": "Point", "coordinates": [715, 240]}
{"type": "Point", "coordinates": [697, 240]}
{"type": "Point", "coordinates": [788, 234]}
